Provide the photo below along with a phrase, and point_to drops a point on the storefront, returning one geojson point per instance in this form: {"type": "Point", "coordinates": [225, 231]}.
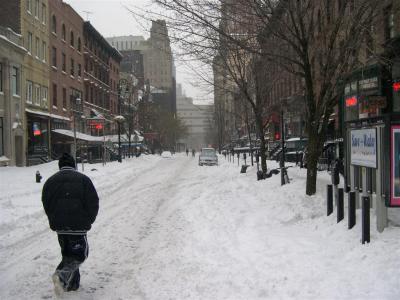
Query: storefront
{"type": "Point", "coordinates": [366, 105]}
{"type": "Point", "coordinates": [38, 138]}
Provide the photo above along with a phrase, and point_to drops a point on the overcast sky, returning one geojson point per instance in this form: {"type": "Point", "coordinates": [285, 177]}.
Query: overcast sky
{"type": "Point", "coordinates": [111, 18]}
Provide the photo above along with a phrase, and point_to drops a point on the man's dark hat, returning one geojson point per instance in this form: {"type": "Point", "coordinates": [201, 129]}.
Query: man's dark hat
{"type": "Point", "coordinates": [66, 160]}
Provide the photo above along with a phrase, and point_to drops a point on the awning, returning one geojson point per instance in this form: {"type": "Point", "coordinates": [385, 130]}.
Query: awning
{"type": "Point", "coordinates": [79, 135]}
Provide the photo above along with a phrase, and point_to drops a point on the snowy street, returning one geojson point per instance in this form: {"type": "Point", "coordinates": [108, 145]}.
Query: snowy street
{"type": "Point", "coordinates": [169, 229]}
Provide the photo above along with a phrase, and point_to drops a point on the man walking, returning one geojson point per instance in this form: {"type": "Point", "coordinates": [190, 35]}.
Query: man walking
{"type": "Point", "coordinates": [71, 205]}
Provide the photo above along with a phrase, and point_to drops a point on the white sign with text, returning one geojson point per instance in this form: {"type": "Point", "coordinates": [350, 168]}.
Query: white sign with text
{"type": "Point", "coordinates": [363, 147]}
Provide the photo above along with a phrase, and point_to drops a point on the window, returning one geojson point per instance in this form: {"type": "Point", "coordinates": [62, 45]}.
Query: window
{"type": "Point", "coordinates": [1, 77]}
{"type": "Point", "coordinates": [54, 57]}
{"type": "Point", "coordinates": [37, 5]}
{"type": "Point", "coordinates": [37, 47]}
{"type": "Point", "coordinates": [44, 52]}
{"type": "Point", "coordinates": [37, 94]}
{"type": "Point", "coordinates": [389, 23]}
{"type": "Point", "coordinates": [29, 42]}
{"type": "Point", "coordinates": [29, 87]}
{"type": "Point", "coordinates": [64, 62]}
{"type": "Point", "coordinates": [64, 96]}
{"type": "Point", "coordinates": [54, 94]}
{"type": "Point", "coordinates": [63, 32]}
{"type": "Point", "coordinates": [54, 24]}
{"type": "Point", "coordinates": [71, 40]}
{"type": "Point", "coordinates": [44, 13]}
{"type": "Point", "coordinates": [79, 44]}
{"type": "Point", "coordinates": [29, 6]}
{"type": "Point", "coordinates": [72, 67]}
{"type": "Point", "coordinates": [15, 81]}
{"type": "Point", "coordinates": [79, 70]}
{"type": "Point", "coordinates": [44, 96]}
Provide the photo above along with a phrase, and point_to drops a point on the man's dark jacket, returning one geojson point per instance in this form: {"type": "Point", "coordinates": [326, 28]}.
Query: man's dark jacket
{"type": "Point", "coordinates": [70, 201]}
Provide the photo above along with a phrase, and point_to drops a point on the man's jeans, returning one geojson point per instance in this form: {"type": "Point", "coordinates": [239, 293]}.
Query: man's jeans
{"type": "Point", "coordinates": [74, 250]}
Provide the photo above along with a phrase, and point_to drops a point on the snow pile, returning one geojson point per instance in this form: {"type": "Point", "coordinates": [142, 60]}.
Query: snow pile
{"type": "Point", "coordinates": [169, 229]}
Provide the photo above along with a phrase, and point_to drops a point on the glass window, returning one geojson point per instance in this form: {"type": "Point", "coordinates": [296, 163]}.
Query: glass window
{"type": "Point", "coordinates": [29, 5]}
{"type": "Point", "coordinates": [54, 94]}
{"type": "Point", "coordinates": [54, 24]}
{"type": "Point", "coordinates": [72, 67]}
{"type": "Point", "coordinates": [29, 87]}
{"type": "Point", "coordinates": [79, 70]}
{"type": "Point", "coordinates": [1, 77]}
{"type": "Point", "coordinates": [54, 57]}
{"type": "Point", "coordinates": [79, 44]}
{"type": "Point", "coordinates": [44, 52]}
{"type": "Point", "coordinates": [44, 96]}
{"type": "Point", "coordinates": [15, 81]}
{"type": "Point", "coordinates": [44, 13]}
{"type": "Point", "coordinates": [37, 5]}
{"type": "Point", "coordinates": [63, 32]}
{"type": "Point", "coordinates": [37, 47]}
{"type": "Point", "coordinates": [64, 96]}
{"type": "Point", "coordinates": [71, 41]}
{"type": "Point", "coordinates": [37, 94]}
{"type": "Point", "coordinates": [29, 42]}
{"type": "Point", "coordinates": [64, 62]}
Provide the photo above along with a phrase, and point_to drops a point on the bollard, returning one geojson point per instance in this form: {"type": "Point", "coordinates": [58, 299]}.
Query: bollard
{"type": "Point", "coordinates": [340, 206]}
{"type": "Point", "coordinates": [365, 237]}
{"type": "Point", "coordinates": [38, 177]}
{"type": "Point", "coordinates": [352, 210]}
{"type": "Point", "coordinates": [329, 199]}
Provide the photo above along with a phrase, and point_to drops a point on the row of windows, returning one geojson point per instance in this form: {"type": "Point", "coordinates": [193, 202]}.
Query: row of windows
{"type": "Point", "coordinates": [36, 94]}
{"type": "Point", "coordinates": [64, 35]}
{"type": "Point", "coordinates": [64, 63]}
{"type": "Point", "coordinates": [15, 80]}
{"type": "Point", "coordinates": [39, 49]}
{"type": "Point", "coordinates": [125, 45]}
{"type": "Point", "coordinates": [38, 9]}
{"type": "Point", "coordinates": [55, 101]}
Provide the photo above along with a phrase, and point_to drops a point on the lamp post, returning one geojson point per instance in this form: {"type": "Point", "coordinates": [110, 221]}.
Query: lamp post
{"type": "Point", "coordinates": [122, 86]}
{"type": "Point", "coordinates": [76, 105]}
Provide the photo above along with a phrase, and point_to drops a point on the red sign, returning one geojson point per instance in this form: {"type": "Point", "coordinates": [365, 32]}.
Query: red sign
{"type": "Point", "coordinates": [352, 101]}
{"type": "Point", "coordinates": [396, 87]}
{"type": "Point", "coordinates": [99, 126]}
{"type": "Point", "coordinates": [96, 123]}
{"type": "Point", "coordinates": [277, 136]}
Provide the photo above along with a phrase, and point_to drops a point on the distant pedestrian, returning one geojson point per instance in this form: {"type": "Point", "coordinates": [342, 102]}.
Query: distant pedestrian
{"type": "Point", "coordinates": [187, 152]}
{"type": "Point", "coordinates": [71, 205]}
{"type": "Point", "coordinates": [193, 152]}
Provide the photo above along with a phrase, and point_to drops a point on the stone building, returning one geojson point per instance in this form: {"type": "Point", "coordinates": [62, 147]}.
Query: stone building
{"type": "Point", "coordinates": [11, 101]}
{"type": "Point", "coordinates": [29, 18]}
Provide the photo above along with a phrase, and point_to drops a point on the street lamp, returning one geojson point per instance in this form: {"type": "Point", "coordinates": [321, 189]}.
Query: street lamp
{"type": "Point", "coordinates": [76, 110]}
{"type": "Point", "coordinates": [122, 83]}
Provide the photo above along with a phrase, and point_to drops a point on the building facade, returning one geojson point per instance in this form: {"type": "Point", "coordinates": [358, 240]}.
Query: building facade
{"type": "Point", "coordinates": [12, 143]}
{"type": "Point", "coordinates": [66, 73]}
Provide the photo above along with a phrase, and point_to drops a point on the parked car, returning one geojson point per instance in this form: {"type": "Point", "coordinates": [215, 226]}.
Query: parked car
{"type": "Point", "coordinates": [166, 154]}
{"type": "Point", "coordinates": [208, 156]}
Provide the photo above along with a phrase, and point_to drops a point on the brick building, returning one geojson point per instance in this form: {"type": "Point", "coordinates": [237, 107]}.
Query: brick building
{"type": "Point", "coordinates": [101, 76]}
{"type": "Point", "coordinates": [66, 71]}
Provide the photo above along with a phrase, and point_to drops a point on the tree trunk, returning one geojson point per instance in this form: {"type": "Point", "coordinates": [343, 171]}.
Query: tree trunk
{"type": "Point", "coordinates": [313, 153]}
{"type": "Point", "coordinates": [263, 157]}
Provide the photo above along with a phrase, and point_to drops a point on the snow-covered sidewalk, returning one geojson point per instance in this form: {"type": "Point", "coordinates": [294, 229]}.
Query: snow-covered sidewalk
{"type": "Point", "coordinates": [169, 229]}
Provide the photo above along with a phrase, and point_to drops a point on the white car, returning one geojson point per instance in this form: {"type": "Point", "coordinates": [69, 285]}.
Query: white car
{"type": "Point", "coordinates": [208, 156]}
{"type": "Point", "coordinates": [166, 154]}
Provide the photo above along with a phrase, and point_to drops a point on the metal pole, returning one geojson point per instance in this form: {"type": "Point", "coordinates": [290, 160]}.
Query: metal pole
{"type": "Point", "coordinates": [76, 166]}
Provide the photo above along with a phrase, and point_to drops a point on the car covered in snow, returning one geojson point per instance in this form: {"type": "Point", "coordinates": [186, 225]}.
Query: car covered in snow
{"type": "Point", "coordinates": [166, 154]}
{"type": "Point", "coordinates": [208, 156]}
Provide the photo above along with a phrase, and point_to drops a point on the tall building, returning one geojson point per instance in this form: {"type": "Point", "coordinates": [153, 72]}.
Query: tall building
{"type": "Point", "coordinates": [29, 18]}
{"type": "Point", "coordinates": [158, 64]}
{"type": "Point", "coordinates": [66, 73]}
{"type": "Point", "coordinates": [198, 119]}
{"type": "Point", "coordinates": [11, 105]}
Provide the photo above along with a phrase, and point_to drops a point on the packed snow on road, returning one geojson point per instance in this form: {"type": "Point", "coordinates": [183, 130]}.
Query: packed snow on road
{"type": "Point", "coordinates": [170, 229]}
